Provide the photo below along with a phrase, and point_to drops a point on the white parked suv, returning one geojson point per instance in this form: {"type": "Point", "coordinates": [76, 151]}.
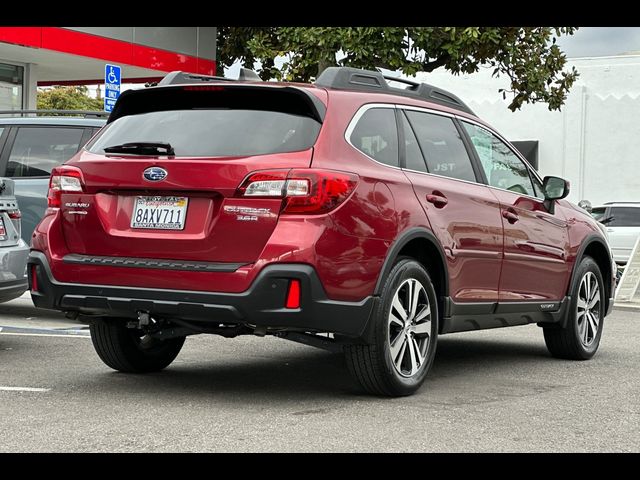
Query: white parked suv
{"type": "Point", "coordinates": [622, 220]}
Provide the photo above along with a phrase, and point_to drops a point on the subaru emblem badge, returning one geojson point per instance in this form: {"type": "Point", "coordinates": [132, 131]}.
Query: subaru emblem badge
{"type": "Point", "coordinates": [155, 174]}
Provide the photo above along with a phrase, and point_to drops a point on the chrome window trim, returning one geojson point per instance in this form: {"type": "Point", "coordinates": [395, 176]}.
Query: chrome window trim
{"type": "Point", "coordinates": [425, 110]}
{"type": "Point", "coordinates": [396, 106]}
{"type": "Point", "coordinates": [444, 176]}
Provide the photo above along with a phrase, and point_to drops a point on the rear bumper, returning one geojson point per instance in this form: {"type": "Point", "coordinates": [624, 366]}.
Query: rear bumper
{"type": "Point", "coordinates": [262, 304]}
{"type": "Point", "coordinates": [12, 269]}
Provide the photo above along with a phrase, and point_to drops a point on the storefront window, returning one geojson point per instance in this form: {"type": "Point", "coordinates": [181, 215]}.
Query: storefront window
{"type": "Point", "coordinates": [11, 83]}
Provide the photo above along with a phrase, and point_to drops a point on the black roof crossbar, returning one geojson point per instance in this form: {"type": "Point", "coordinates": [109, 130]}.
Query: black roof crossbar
{"type": "Point", "coordinates": [349, 78]}
{"type": "Point", "coordinates": [77, 113]}
{"type": "Point", "coordinates": [178, 77]}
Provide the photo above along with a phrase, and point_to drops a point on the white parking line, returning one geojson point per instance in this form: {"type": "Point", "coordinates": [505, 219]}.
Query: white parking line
{"type": "Point", "coordinates": [44, 335]}
{"type": "Point", "coordinates": [23, 389]}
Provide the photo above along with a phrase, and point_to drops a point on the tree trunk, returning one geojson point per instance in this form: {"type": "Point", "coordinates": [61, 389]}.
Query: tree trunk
{"type": "Point", "coordinates": [323, 65]}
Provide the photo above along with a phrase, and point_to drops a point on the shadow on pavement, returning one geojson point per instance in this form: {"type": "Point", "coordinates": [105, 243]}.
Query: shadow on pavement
{"type": "Point", "coordinates": [310, 373]}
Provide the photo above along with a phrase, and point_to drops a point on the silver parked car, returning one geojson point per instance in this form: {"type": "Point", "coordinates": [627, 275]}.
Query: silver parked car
{"type": "Point", "coordinates": [32, 142]}
{"type": "Point", "coordinates": [622, 220]}
{"type": "Point", "coordinates": [13, 250]}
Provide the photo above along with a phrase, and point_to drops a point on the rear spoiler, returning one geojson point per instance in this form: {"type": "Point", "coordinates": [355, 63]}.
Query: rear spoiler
{"type": "Point", "coordinates": [218, 93]}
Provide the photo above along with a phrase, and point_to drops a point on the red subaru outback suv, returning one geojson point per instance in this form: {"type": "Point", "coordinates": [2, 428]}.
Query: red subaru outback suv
{"type": "Point", "coordinates": [347, 214]}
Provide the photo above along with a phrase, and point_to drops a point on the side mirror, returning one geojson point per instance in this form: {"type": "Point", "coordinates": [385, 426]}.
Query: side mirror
{"type": "Point", "coordinates": [554, 188]}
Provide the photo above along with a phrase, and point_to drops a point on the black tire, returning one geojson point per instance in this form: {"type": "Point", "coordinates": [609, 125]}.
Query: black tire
{"type": "Point", "coordinates": [572, 342]}
{"type": "Point", "coordinates": [371, 364]}
{"type": "Point", "coordinates": [127, 350]}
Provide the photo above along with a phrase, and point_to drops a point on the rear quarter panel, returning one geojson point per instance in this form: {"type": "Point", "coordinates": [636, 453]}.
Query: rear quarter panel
{"type": "Point", "coordinates": [350, 255]}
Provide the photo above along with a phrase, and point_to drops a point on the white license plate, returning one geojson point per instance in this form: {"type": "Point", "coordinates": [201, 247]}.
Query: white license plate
{"type": "Point", "coordinates": [161, 213]}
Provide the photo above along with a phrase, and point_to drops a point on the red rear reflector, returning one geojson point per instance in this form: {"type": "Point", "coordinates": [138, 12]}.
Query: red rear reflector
{"type": "Point", "coordinates": [14, 214]}
{"type": "Point", "coordinates": [34, 278]}
{"type": "Point", "coordinates": [293, 297]}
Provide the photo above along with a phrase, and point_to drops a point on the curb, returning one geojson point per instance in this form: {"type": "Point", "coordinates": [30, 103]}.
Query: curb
{"type": "Point", "coordinates": [629, 307]}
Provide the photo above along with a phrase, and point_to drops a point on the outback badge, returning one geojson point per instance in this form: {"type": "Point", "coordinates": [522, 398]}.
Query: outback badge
{"type": "Point", "coordinates": [155, 174]}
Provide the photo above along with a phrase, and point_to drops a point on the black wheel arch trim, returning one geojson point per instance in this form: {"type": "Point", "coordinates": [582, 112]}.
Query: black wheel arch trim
{"type": "Point", "coordinates": [399, 243]}
{"type": "Point", "coordinates": [589, 240]}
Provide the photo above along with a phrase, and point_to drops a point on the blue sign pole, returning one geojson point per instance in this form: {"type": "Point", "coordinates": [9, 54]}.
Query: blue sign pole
{"type": "Point", "coordinates": [112, 79]}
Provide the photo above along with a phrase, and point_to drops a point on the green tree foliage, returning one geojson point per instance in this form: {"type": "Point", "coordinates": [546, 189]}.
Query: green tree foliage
{"type": "Point", "coordinates": [529, 56]}
{"type": "Point", "coordinates": [68, 98]}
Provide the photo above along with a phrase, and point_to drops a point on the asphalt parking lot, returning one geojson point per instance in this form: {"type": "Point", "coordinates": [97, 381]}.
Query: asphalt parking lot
{"type": "Point", "coordinates": [490, 391]}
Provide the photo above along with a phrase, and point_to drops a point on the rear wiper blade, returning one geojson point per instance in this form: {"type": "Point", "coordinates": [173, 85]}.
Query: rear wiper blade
{"type": "Point", "coordinates": [142, 148]}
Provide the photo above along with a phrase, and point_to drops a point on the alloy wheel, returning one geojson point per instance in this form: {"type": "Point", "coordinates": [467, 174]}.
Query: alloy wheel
{"type": "Point", "coordinates": [588, 309]}
{"type": "Point", "coordinates": [409, 327]}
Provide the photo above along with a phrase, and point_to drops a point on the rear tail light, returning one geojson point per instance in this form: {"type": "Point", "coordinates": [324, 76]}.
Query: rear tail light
{"type": "Point", "coordinates": [15, 216]}
{"type": "Point", "coordinates": [305, 191]}
{"type": "Point", "coordinates": [64, 179]}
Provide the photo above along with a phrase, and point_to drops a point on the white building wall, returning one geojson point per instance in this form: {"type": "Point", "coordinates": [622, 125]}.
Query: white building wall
{"type": "Point", "coordinates": [592, 141]}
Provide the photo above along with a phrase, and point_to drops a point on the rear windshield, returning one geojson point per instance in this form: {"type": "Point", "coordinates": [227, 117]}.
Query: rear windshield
{"type": "Point", "coordinates": [213, 132]}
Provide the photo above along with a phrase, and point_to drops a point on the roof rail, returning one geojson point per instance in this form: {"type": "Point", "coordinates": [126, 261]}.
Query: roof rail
{"type": "Point", "coordinates": [77, 113]}
{"type": "Point", "coordinates": [178, 77]}
{"type": "Point", "coordinates": [611, 203]}
{"type": "Point", "coordinates": [371, 81]}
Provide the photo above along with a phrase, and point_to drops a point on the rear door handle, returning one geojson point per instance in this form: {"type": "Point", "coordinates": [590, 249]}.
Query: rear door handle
{"type": "Point", "coordinates": [438, 200]}
{"type": "Point", "coordinates": [512, 217]}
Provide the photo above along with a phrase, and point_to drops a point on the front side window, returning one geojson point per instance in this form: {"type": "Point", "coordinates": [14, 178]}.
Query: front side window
{"type": "Point", "coordinates": [376, 135]}
{"type": "Point", "coordinates": [36, 150]}
{"type": "Point", "coordinates": [501, 166]}
{"type": "Point", "coordinates": [441, 145]}
{"type": "Point", "coordinates": [624, 217]}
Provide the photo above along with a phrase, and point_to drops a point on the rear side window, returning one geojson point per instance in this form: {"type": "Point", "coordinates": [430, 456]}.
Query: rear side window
{"type": "Point", "coordinates": [376, 135]}
{"type": "Point", "coordinates": [441, 145]}
{"type": "Point", "coordinates": [624, 217]}
{"type": "Point", "coordinates": [36, 150]}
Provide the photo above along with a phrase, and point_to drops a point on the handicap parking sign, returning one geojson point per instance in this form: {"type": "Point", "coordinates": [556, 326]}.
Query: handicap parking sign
{"type": "Point", "coordinates": [111, 86]}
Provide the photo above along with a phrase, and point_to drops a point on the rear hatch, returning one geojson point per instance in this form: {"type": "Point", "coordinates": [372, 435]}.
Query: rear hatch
{"type": "Point", "coordinates": [160, 180]}
{"type": "Point", "coordinates": [9, 214]}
